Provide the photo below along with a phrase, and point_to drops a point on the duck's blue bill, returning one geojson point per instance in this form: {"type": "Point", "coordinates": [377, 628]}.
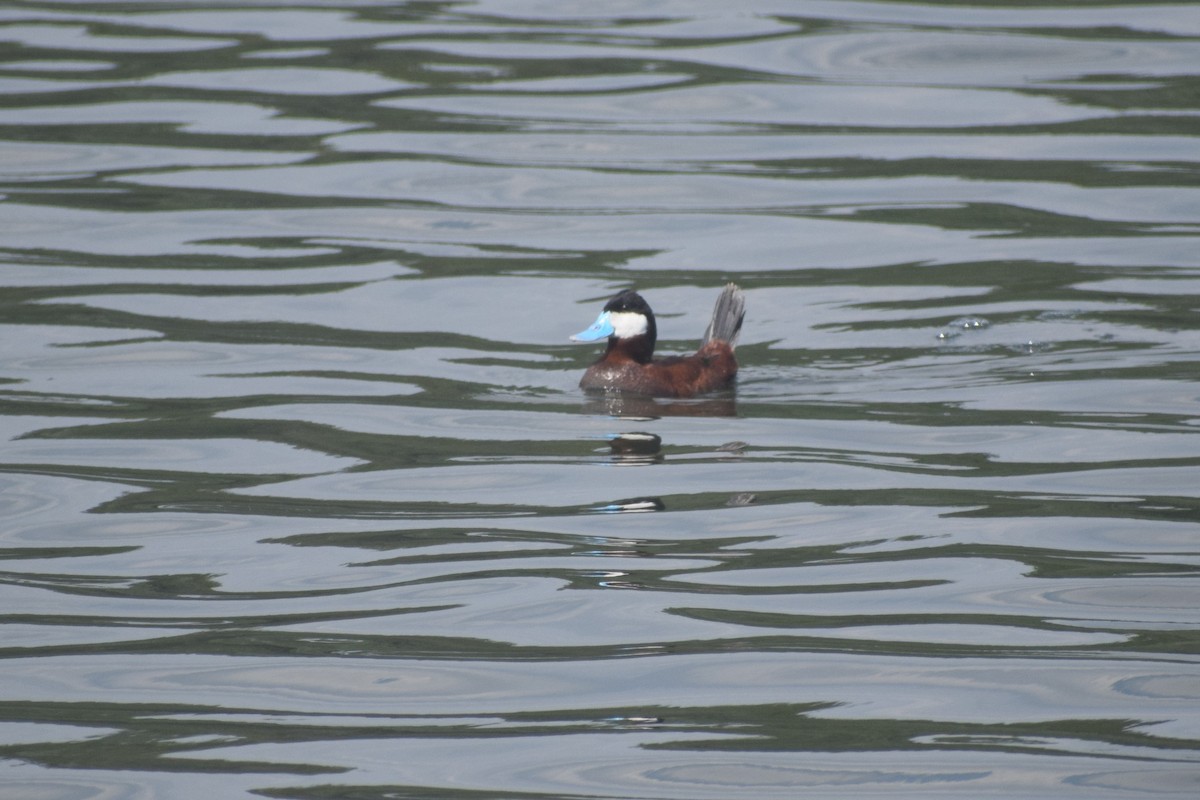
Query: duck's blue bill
{"type": "Point", "coordinates": [601, 329]}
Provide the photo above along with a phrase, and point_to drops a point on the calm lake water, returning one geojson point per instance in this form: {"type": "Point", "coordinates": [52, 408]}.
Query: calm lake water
{"type": "Point", "coordinates": [300, 498]}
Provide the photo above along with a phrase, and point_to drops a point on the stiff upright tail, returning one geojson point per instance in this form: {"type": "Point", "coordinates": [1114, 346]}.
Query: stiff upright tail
{"type": "Point", "coordinates": [727, 316]}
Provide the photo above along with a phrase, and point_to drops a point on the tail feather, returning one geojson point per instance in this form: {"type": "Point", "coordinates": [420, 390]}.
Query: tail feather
{"type": "Point", "coordinates": [727, 316]}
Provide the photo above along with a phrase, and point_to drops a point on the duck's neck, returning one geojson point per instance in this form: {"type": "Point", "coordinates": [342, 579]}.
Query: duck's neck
{"type": "Point", "coordinates": [635, 348]}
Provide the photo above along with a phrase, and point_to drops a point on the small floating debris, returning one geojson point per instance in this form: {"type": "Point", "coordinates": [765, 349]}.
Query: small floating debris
{"type": "Point", "coordinates": [742, 499]}
{"type": "Point", "coordinates": [634, 505]}
{"type": "Point", "coordinates": [633, 720]}
{"type": "Point", "coordinates": [733, 447]}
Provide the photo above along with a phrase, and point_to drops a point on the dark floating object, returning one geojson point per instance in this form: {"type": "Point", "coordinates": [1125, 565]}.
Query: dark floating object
{"type": "Point", "coordinates": [635, 443]}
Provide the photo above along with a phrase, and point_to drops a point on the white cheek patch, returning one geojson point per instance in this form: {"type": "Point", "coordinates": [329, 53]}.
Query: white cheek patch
{"type": "Point", "coordinates": [627, 324]}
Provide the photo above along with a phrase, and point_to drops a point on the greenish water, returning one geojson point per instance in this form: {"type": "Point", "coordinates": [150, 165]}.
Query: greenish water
{"type": "Point", "coordinates": [299, 497]}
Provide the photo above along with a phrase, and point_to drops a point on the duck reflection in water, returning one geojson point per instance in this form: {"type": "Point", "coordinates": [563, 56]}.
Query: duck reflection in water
{"type": "Point", "coordinates": [630, 378]}
{"type": "Point", "coordinates": [627, 381]}
{"type": "Point", "coordinates": [639, 406]}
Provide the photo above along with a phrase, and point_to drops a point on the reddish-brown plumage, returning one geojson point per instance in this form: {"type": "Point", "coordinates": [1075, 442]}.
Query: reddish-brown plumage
{"type": "Point", "coordinates": [712, 367]}
{"type": "Point", "coordinates": [628, 364]}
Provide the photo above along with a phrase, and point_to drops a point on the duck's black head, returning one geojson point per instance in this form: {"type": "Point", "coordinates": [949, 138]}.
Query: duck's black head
{"type": "Point", "coordinates": [627, 322]}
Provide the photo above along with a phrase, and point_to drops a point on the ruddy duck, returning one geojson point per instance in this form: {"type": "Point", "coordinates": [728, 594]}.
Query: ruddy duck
{"type": "Point", "coordinates": [628, 363]}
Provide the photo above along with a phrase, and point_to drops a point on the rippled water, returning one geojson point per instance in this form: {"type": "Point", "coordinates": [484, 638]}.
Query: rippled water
{"type": "Point", "coordinates": [300, 498]}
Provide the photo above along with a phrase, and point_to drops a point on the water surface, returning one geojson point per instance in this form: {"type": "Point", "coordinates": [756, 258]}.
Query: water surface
{"type": "Point", "coordinates": [301, 499]}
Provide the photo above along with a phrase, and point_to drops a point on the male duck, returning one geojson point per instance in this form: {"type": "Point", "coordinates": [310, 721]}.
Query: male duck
{"type": "Point", "coordinates": [628, 363]}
